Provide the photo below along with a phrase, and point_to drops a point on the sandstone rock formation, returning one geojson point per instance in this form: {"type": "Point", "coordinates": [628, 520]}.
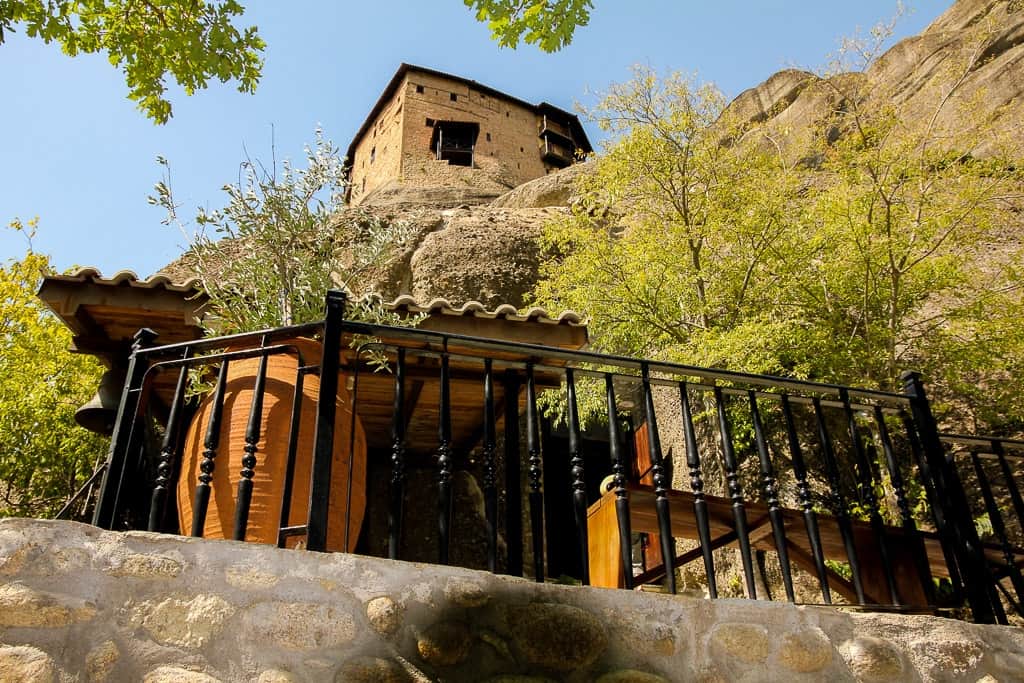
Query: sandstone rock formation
{"type": "Point", "coordinates": [978, 42]}
{"type": "Point", "coordinates": [490, 252]}
{"type": "Point", "coordinates": [469, 243]}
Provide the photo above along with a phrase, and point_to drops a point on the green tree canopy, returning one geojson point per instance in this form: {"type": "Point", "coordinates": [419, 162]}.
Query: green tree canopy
{"type": "Point", "coordinates": [880, 248]}
{"type": "Point", "coordinates": [190, 40]}
{"type": "Point", "coordinates": [44, 455]}
{"type": "Point", "coordinates": [548, 24]}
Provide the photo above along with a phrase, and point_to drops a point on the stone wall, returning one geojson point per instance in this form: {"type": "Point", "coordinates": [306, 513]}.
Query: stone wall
{"type": "Point", "coordinates": [377, 158]}
{"type": "Point", "coordinates": [80, 604]}
{"type": "Point", "coordinates": [396, 148]}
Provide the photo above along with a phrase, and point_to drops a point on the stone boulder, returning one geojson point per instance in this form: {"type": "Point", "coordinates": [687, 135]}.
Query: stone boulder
{"type": "Point", "coordinates": [481, 254]}
{"type": "Point", "coordinates": [556, 189]}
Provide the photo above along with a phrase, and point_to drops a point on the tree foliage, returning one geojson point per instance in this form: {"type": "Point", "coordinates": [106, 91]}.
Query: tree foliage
{"type": "Point", "coordinates": [192, 41]}
{"type": "Point", "coordinates": [44, 455]}
{"type": "Point", "coordinates": [548, 24]}
{"type": "Point", "coordinates": [283, 239]}
{"type": "Point", "coordinates": [881, 248]}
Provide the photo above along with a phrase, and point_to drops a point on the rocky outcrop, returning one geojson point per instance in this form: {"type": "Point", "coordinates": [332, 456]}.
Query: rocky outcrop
{"type": "Point", "coordinates": [481, 254]}
{"type": "Point", "coordinates": [399, 196]}
{"type": "Point", "coordinates": [474, 240]}
{"type": "Point", "coordinates": [233, 611]}
{"type": "Point", "coordinates": [556, 189]}
{"type": "Point", "coordinates": [976, 44]}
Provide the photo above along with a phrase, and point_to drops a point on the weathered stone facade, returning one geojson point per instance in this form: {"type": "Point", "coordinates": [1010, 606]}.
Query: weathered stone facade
{"type": "Point", "coordinates": [508, 141]}
{"type": "Point", "coordinates": [80, 604]}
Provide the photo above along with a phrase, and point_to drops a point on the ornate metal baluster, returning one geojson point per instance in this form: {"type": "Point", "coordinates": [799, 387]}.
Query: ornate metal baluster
{"type": "Point", "coordinates": [128, 428]}
{"type": "Point", "coordinates": [771, 494]}
{"type": "Point", "coordinates": [837, 501]}
{"type": "Point", "coordinates": [323, 435]}
{"type": "Point", "coordinates": [803, 492]}
{"type": "Point", "coordinates": [661, 504]}
{"type": "Point", "coordinates": [210, 444]}
{"type": "Point", "coordinates": [295, 422]}
{"type": "Point", "coordinates": [168, 452]}
{"type": "Point", "coordinates": [621, 493]}
{"type": "Point", "coordinates": [397, 485]}
{"type": "Point", "coordinates": [579, 484]}
{"type": "Point", "coordinates": [444, 462]}
{"type": "Point", "coordinates": [252, 438]}
{"type": "Point", "coordinates": [536, 497]}
{"type": "Point", "coordinates": [966, 544]}
{"type": "Point", "coordinates": [995, 518]}
{"type": "Point", "coordinates": [910, 530]}
{"type": "Point", "coordinates": [490, 469]}
{"type": "Point", "coordinates": [513, 478]}
{"type": "Point", "coordinates": [866, 494]}
{"type": "Point", "coordinates": [732, 480]}
{"type": "Point", "coordinates": [1011, 483]}
{"type": "Point", "coordinates": [946, 537]}
{"type": "Point", "coordinates": [700, 505]}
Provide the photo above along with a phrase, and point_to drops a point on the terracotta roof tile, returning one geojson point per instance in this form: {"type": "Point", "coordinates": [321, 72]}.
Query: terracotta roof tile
{"type": "Point", "coordinates": [405, 302]}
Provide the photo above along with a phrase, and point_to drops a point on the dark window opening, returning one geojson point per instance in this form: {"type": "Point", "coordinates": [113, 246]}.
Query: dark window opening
{"type": "Point", "coordinates": [419, 89]}
{"type": "Point", "coordinates": [373, 154]}
{"type": "Point", "coordinates": [507, 115]}
{"type": "Point", "coordinates": [430, 123]}
{"type": "Point", "coordinates": [521, 149]}
{"type": "Point", "coordinates": [454, 142]}
{"type": "Point", "coordinates": [454, 97]}
{"type": "Point", "coordinates": [364, 185]}
{"type": "Point", "coordinates": [488, 137]}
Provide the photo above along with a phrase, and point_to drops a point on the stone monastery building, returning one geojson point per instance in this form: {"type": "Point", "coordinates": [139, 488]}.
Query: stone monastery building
{"type": "Point", "coordinates": [432, 129]}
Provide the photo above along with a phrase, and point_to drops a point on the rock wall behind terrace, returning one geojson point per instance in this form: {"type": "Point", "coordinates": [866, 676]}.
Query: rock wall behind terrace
{"type": "Point", "coordinates": [80, 604]}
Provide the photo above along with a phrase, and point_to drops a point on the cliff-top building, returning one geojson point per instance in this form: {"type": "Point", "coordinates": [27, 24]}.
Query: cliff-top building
{"type": "Point", "coordinates": [432, 129]}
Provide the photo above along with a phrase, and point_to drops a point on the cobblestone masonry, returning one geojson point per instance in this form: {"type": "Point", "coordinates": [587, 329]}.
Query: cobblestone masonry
{"type": "Point", "coordinates": [80, 604]}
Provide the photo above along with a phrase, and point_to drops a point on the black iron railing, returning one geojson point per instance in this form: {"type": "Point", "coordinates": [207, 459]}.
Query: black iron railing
{"type": "Point", "coordinates": [831, 493]}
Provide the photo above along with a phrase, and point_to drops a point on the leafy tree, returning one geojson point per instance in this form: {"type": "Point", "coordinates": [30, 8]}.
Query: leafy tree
{"type": "Point", "coordinates": [698, 241]}
{"type": "Point", "coordinates": [281, 241]}
{"type": "Point", "coordinates": [909, 259]}
{"type": "Point", "coordinates": [44, 455]}
{"type": "Point", "coordinates": [549, 24]}
{"type": "Point", "coordinates": [671, 248]}
{"type": "Point", "coordinates": [191, 40]}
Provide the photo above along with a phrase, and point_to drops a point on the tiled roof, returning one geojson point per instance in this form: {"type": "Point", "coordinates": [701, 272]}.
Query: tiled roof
{"type": "Point", "coordinates": [438, 306]}
{"type": "Point", "coordinates": [127, 278]}
{"type": "Point", "coordinates": [478, 310]}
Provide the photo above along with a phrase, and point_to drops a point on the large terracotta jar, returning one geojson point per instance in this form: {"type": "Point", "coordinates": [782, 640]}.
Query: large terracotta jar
{"type": "Point", "coordinates": [271, 454]}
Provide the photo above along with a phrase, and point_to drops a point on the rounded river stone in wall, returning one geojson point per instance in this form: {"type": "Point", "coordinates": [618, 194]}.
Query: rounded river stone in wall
{"type": "Point", "coordinates": [445, 643]}
{"type": "Point", "coordinates": [558, 637]}
{"type": "Point", "coordinates": [873, 659]}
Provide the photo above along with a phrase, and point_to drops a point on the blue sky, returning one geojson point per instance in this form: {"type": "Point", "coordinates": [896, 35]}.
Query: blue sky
{"type": "Point", "coordinates": [76, 152]}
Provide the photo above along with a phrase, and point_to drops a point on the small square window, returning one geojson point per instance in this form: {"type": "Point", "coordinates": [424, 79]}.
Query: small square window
{"type": "Point", "coordinates": [488, 137]}
{"type": "Point", "coordinates": [521, 149]}
{"type": "Point", "coordinates": [430, 123]}
{"type": "Point", "coordinates": [454, 97]}
{"type": "Point", "coordinates": [419, 89]}
{"type": "Point", "coordinates": [373, 154]}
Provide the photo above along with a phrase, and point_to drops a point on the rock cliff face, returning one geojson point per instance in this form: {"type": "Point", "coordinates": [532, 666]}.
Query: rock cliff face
{"type": "Point", "coordinates": [473, 243]}
{"type": "Point", "coordinates": [976, 44]}
{"type": "Point", "coordinates": [489, 251]}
